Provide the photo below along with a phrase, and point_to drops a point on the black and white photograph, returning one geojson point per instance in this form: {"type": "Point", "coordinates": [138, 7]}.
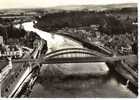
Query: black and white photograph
{"type": "Point", "coordinates": [69, 49]}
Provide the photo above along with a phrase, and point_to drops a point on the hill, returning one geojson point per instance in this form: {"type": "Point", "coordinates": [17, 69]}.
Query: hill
{"type": "Point", "coordinates": [95, 7]}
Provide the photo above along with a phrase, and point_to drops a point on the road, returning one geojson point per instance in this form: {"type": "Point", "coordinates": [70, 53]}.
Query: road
{"type": "Point", "coordinates": [73, 80]}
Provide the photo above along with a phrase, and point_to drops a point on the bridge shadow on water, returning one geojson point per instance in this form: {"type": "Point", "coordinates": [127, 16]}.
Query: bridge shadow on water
{"type": "Point", "coordinates": [53, 83]}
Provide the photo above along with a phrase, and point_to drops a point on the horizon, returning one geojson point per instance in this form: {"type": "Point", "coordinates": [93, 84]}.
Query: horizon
{"type": "Point", "coordinates": [24, 4]}
{"type": "Point", "coordinates": [67, 5]}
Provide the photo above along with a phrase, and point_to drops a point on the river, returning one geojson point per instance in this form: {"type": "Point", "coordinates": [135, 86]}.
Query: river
{"type": "Point", "coordinates": [73, 80]}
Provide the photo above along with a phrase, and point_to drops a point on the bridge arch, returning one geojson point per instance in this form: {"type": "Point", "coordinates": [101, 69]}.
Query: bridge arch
{"type": "Point", "coordinates": [72, 52]}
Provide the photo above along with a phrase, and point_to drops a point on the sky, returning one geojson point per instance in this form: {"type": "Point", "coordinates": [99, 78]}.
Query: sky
{"type": "Point", "coordinates": [52, 3]}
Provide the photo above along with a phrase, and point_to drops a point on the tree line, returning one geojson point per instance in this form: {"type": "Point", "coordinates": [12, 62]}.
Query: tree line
{"type": "Point", "coordinates": [111, 21]}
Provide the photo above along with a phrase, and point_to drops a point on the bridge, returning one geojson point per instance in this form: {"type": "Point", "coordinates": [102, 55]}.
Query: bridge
{"type": "Point", "coordinates": [82, 55]}
{"type": "Point", "coordinates": [74, 55]}
{"type": "Point", "coordinates": [79, 55]}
